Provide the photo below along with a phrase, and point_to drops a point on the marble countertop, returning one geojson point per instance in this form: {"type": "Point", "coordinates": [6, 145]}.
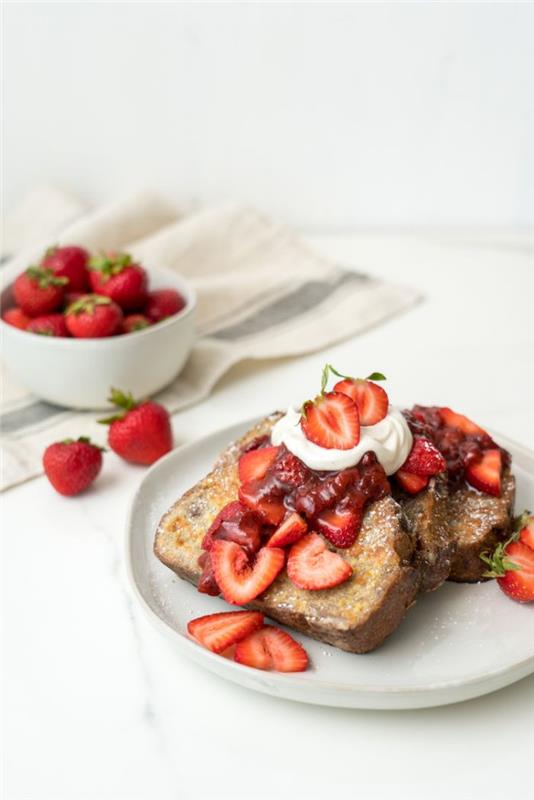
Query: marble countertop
{"type": "Point", "coordinates": [98, 706]}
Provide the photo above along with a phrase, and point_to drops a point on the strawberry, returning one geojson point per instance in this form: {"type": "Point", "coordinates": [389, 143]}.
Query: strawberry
{"type": "Point", "coordinates": [49, 325]}
{"type": "Point", "coordinates": [238, 581]}
{"type": "Point", "coordinates": [512, 563]}
{"type": "Point", "coordinates": [115, 275]}
{"type": "Point", "coordinates": [235, 523]}
{"type": "Point", "coordinates": [331, 421]}
{"type": "Point", "coordinates": [254, 464]}
{"type": "Point", "coordinates": [38, 291]}
{"type": "Point", "coordinates": [271, 648]}
{"type": "Point", "coordinates": [217, 632]}
{"type": "Point", "coordinates": [424, 459]}
{"type": "Point", "coordinates": [291, 529]}
{"type": "Point", "coordinates": [453, 420]}
{"type": "Point", "coordinates": [310, 565]}
{"type": "Point", "coordinates": [16, 317]}
{"type": "Point", "coordinates": [270, 509]}
{"type": "Point", "coordinates": [207, 583]}
{"type": "Point", "coordinates": [485, 472]}
{"type": "Point", "coordinates": [371, 399]}
{"type": "Point", "coordinates": [135, 322]}
{"type": "Point", "coordinates": [289, 470]}
{"type": "Point", "coordinates": [163, 303]}
{"type": "Point", "coordinates": [69, 262]}
{"type": "Point", "coordinates": [93, 317]}
{"type": "Point", "coordinates": [340, 526]}
{"type": "Point", "coordinates": [526, 529]}
{"type": "Point", "coordinates": [411, 483]}
{"type": "Point", "coordinates": [71, 466]}
{"type": "Point", "coordinates": [142, 432]}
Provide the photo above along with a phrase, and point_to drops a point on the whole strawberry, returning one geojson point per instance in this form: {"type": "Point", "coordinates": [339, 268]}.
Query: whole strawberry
{"type": "Point", "coordinates": [163, 303]}
{"type": "Point", "coordinates": [135, 322]}
{"type": "Point", "coordinates": [71, 466]}
{"type": "Point", "coordinates": [93, 316]}
{"type": "Point", "coordinates": [116, 276]}
{"type": "Point", "coordinates": [38, 291]}
{"type": "Point", "coordinates": [49, 325]}
{"type": "Point", "coordinates": [16, 317]}
{"type": "Point", "coordinates": [142, 432]}
{"type": "Point", "coordinates": [69, 262]}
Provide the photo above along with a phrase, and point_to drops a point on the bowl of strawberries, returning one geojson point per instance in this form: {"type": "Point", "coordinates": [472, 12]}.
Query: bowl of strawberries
{"type": "Point", "coordinates": [76, 323]}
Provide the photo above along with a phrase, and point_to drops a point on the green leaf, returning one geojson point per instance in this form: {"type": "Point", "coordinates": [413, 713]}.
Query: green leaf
{"type": "Point", "coordinates": [376, 376]}
{"type": "Point", "coordinates": [122, 399]}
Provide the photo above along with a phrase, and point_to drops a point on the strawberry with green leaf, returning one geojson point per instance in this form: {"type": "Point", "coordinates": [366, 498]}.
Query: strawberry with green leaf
{"type": "Point", "coordinates": [512, 562]}
{"type": "Point", "coordinates": [93, 316]}
{"type": "Point", "coordinates": [118, 277]}
{"type": "Point", "coordinates": [38, 291]}
{"type": "Point", "coordinates": [141, 431]}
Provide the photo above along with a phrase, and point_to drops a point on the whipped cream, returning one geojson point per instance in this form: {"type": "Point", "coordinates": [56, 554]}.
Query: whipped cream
{"type": "Point", "coordinates": [390, 439]}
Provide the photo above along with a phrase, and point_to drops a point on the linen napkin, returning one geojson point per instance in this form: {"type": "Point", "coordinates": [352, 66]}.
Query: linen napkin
{"type": "Point", "coordinates": [261, 294]}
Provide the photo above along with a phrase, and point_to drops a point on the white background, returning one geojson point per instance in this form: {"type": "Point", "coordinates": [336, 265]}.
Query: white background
{"type": "Point", "coordinates": [326, 115]}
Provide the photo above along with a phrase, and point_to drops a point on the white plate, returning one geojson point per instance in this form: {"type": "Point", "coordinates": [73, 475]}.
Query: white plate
{"type": "Point", "coordinates": [460, 642]}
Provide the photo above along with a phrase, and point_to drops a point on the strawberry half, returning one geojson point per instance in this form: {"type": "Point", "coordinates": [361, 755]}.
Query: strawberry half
{"type": "Point", "coordinates": [217, 632]}
{"type": "Point", "coordinates": [454, 420]}
{"type": "Point", "coordinates": [290, 531]}
{"type": "Point", "coordinates": [526, 532]}
{"type": "Point", "coordinates": [424, 459]}
{"type": "Point", "coordinates": [339, 526]}
{"type": "Point", "coordinates": [371, 399]}
{"type": "Point", "coordinates": [485, 473]}
{"type": "Point", "coordinates": [254, 464]}
{"type": "Point", "coordinates": [271, 648]}
{"type": "Point", "coordinates": [270, 509]}
{"type": "Point", "coordinates": [238, 581]}
{"type": "Point", "coordinates": [310, 565]}
{"type": "Point", "coordinates": [411, 483]}
{"type": "Point", "coordinates": [512, 563]}
{"type": "Point", "coordinates": [331, 421]}
{"type": "Point", "coordinates": [235, 523]}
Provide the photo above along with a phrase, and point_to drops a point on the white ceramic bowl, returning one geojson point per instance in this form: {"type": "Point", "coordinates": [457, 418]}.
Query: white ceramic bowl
{"type": "Point", "coordinates": [78, 373]}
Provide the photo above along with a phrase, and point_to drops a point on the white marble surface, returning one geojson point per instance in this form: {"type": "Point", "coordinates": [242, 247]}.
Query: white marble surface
{"type": "Point", "coordinates": [97, 706]}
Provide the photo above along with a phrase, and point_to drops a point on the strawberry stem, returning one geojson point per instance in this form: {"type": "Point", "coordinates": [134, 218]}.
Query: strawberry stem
{"type": "Point", "coordinates": [110, 263]}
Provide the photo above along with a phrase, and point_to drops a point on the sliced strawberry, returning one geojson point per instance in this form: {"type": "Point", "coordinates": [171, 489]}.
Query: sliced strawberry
{"type": "Point", "coordinates": [270, 509]}
{"type": "Point", "coordinates": [216, 632]}
{"type": "Point", "coordinates": [310, 565]}
{"type": "Point", "coordinates": [254, 464]}
{"type": "Point", "coordinates": [236, 523]}
{"type": "Point", "coordinates": [331, 421]}
{"type": "Point", "coordinates": [424, 459]}
{"type": "Point", "coordinates": [238, 581]}
{"type": "Point", "coordinates": [410, 482]}
{"type": "Point", "coordinates": [526, 534]}
{"type": "Point", "coordinates": [340, 526]}
{"type": "Point", "coordinates": [485, 473]}
{"type": "Point", "coordinates": [371, 399]}
{"type": "Point", "coordinates": [271, 648]}
{"type": "Point", "coordinates": [454, 420]}
{"type": "Point", "coordinates": [289, 470]}
{"type": "Point", "coordinates": [519, 583]}
{"type": "Point", "coordinates": [207, 583]}
{"type": "Point", "coordinates": [290, 531]}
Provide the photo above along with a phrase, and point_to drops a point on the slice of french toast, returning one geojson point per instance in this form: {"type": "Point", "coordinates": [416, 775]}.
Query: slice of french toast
{"type": "Point", "coordinates": [356, 615]}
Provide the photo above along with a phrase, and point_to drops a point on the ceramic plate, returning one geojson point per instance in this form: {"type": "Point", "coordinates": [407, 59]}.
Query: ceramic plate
{"type": "Point", "coordinates": [459, 642]}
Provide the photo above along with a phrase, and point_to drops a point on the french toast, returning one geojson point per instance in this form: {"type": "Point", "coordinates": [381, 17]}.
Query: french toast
{"type": "Point", "coordinates": [356, 615]}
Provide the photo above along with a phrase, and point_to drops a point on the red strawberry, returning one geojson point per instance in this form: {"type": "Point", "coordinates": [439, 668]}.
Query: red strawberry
{"type": "Point", "coordinates": [371, 399]}
{"type": "Point", "coordinates": [217, 632]}
{"type": "Point", "coordinates": [38, 291]}
{"type": "Point", "coordinates": [289, 470]}
{"type": "Point", "coordinates": [49, 325]}
{"type": "Point", "coordinates": [142, 432]}
{"type": "Point", "coordinates": [454, 420]}
{"type": "Point", "coordinates": [254, 464]}
{"type": "Point", "coordinates": [207, 583]}
{"type": "Point", "coordinates": [270, 509]}
{"type": "Point", "coordinates": [411, 483]}
{"type": "Point", "coordinates": [238, 581]}
{"type": "Point", "coordinates": [310, 565]}
{"type": "Point", "coordinates": [16, 317]}
{"type": "Point", "coordinates": [340, 526]}
{"type": "Point", "coordinates": [291, 529]}
{"type": "Point", "coordinates": [163, 303]}
{"type": "Point", "coordinates": [115, 275]}
{"type": "Point", "coordinates": [331, 421]}
{"type": "Point", "coordinates": [424, 459]}
{"type": "Point", "coordinates": [69, 262]}
{"type": "Point", "coordinates": [93, 317]}
{"type": "Point", "coordinates": [512, 564]}
{"type": "Point", "coordinates": [526, 532]}
{"type": "Point", "coordinates": [71, 466]}
{"type": "Point", "coordinates": [235, 523]}
{"type": "Point", "coordinates": [485, 473]}
{"type": "Point", "coordinates": [135, 322]}
{"type": "Point", "coordinates": [271, 648]}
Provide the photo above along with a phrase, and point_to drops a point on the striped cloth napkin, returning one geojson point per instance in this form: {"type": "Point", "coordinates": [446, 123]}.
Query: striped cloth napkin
{"type": "Point", "coordinates": [261, 294]}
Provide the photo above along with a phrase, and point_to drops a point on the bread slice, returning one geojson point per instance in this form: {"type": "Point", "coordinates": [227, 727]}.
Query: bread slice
{"type": "Point", "coordinates": [356, 615]}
